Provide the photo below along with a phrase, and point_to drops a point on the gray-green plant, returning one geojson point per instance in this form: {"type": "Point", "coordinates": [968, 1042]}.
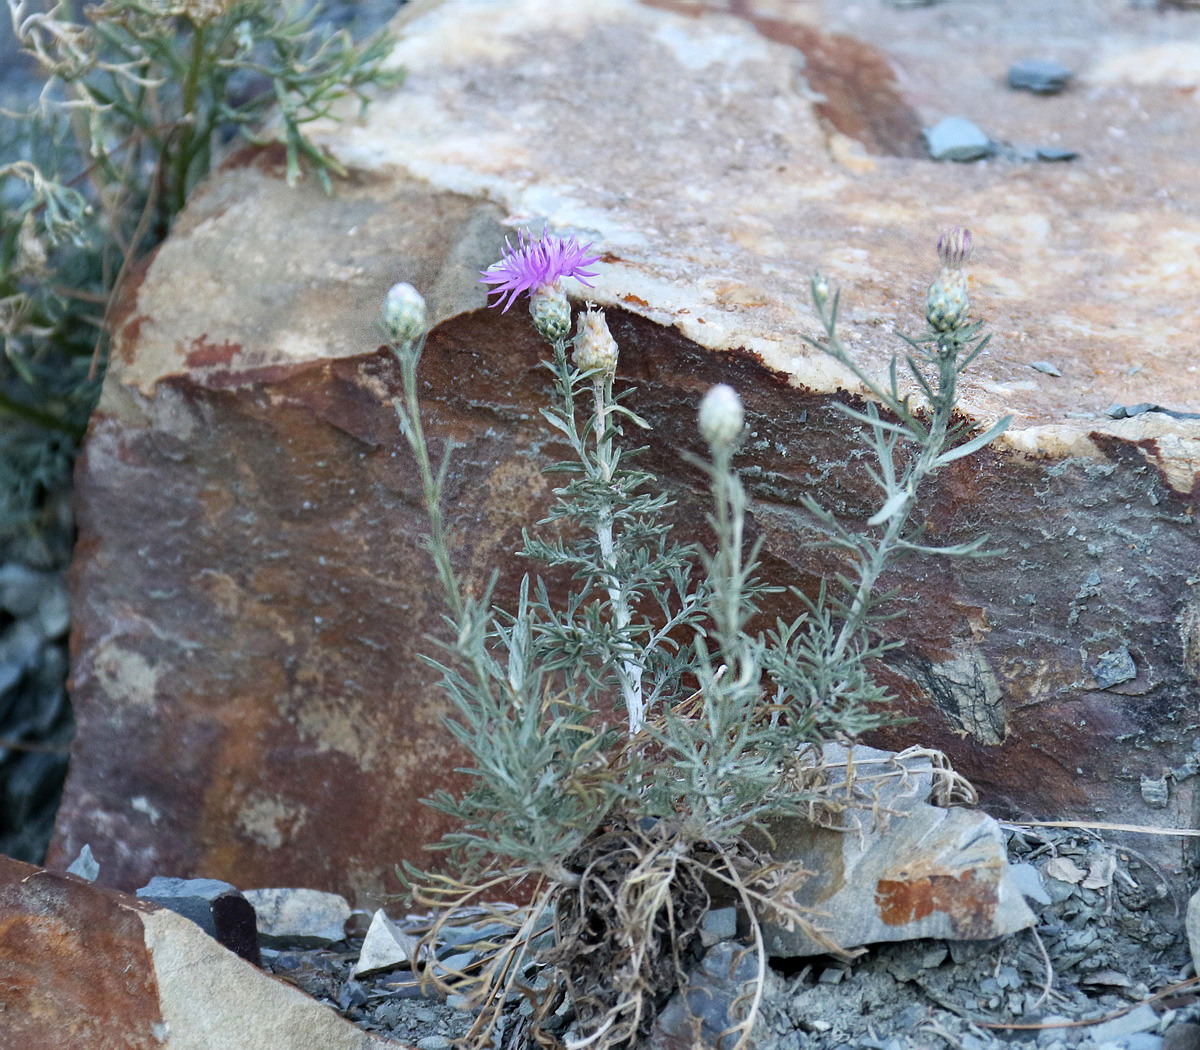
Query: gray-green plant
{"type": "Point", "coordinates": [139, 97]}
{"type": "Point", "coordinates": [629, 741]}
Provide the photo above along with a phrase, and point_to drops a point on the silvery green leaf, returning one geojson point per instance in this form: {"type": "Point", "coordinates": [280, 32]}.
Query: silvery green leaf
{"type": "Point", "coordinates": [638, 420]}
{"type": "Point", "coordinates": [556, 421]}
{"type": "Point", "coordinates": [974, 444]}
{"type": "Point", "coordinates": [894, 505]}
{"type": "Point", "coordinates": [862, 417]}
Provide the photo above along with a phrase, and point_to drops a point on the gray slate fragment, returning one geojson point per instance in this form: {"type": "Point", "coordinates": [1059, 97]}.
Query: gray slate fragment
{"type": "Point", "coordinates": [934, 957]}
{"type": "Point", "coordinates": [191, 898]}
{"type": "Point", "coordinates": [21, 589]}
{"type": "Point", "coordinates": [876, 873]}
{"type": "Point", "coordinates": [299, 918]}
{"type": "Point", "coordinates": [1114, 667]}
{"type": "Point", "coordinates": [1029, 881]}
{"type": "Point", "coordinates": [1141, 1019]}
{"type": "Point", "coordinates": [720, 924]}
{"type": "Point", "coordinates": [1182, 1035]}
{"type": "Point", "coordinates": [218, 908]}
{"type": "Point", "coordinates": [1125, 411]}
{"type": "Point", "coordinates": [1040, 75]}
{"type": "Point", "coordinates": [1053, 154]}
{"type": "Point", "coordinates": [713, 994]}
{"type": "Point", "coordinates": [1137, 1041]}
{"type": "Point", "coordinates": [958, 139]}
{"type": "Point", "coordinates": [85, 865]}
{"type": "Point", "coordinates": [1046, 367]}
{"type": "Point", "coordinates": [473, 933]}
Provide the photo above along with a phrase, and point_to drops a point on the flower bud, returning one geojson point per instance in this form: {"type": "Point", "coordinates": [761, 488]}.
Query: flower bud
{"type": "Point", "coordinates": [820, 289]}
{"type": "Point", "coordinates": [947, 304]}
{"type": "Point", "coordinates": [595, 348]}
{"type": "Point", "coordinates": [954, 248]}
{"type": "Point", "coordinates": [721, 416]}
{"type": "Point", "coordinates": [551, 312]}
{"type": "Point", "coordinates": [403, 313]}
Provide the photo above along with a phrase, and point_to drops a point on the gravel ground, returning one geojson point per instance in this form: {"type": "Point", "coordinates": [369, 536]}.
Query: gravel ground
{"type": "Point", "coordinates": [1092, 975]}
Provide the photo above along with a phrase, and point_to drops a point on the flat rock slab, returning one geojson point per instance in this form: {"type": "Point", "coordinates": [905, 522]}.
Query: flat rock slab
{"type": "Point", "coordinates": [890, 866]}
{"type": "Point", "coordinates": [250, 593]}
{"type": "Point", "coordinates": [82, 966]}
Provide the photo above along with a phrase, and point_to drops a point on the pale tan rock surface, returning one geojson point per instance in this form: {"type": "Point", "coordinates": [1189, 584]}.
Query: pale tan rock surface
{"type": "Point", "coordinates": [250, 595]}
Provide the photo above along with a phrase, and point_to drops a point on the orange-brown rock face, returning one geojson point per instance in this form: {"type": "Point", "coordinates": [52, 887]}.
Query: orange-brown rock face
{"type": "Point", "coordinates": [250, 594]}
{"type": "Point", "coordinates": [83, 966]}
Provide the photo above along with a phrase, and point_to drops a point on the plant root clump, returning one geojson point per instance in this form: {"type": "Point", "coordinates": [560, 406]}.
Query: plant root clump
{"type": "Point", "coordinates": [627, 933]}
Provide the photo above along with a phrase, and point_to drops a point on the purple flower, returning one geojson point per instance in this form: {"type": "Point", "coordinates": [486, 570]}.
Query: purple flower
{"type": "Point", "coordinates": [532, 264]}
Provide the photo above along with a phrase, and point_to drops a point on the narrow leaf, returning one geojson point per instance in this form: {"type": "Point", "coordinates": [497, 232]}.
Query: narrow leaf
{"type": "Point", "coordinates": [894, 505]}
{"type": "Point", "coordinates": [974, 444]}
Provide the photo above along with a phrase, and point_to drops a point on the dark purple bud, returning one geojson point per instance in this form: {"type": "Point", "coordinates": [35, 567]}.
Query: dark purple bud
{"type": "Point", "coordinates": [954, 248]}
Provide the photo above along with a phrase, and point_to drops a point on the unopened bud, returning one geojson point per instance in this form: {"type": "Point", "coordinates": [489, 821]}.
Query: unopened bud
{"type": "Point", "coordinates": [721, 416]}
{"type": "Point", "coordinates": [403, 313]}
{"type": "Point", "coordinates": [551, 312]}
{"type": "Point", "coordinates": [820, 289]}
{"type": "Point", "coordinates": [595, 348]}
{"type": "Point", "coordinates": [947, 305]}
{"type": "Point", "coordinates": [954, 248]}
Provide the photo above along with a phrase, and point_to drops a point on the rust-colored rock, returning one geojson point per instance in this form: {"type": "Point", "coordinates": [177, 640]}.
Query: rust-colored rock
{"type": "Point", "coordinates": [74, 967]}
{"type": "Point", "coordinates": [85, 967]}
{"type": "Point", "coordinates": [250, 593]}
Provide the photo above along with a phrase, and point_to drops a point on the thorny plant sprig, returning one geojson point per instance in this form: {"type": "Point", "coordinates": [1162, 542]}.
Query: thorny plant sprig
{"type": "Point", "coordinates": [627, 738]}
{"type": "Point", "coordinates": [138, 98]}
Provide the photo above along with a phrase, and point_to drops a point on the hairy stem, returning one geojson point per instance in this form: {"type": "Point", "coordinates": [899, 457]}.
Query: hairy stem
{"type": "Point", "coordinates": [873, 563]}
{"type": "Point", "coordinates": [409, 411]}
{"type": "Point", "coordinates": [630, 670]}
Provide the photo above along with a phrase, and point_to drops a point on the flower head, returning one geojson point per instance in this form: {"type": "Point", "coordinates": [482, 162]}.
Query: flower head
{"type": "Point", "coordinates": [721, 416]}
{"type": "Point", "coordinates": [532, 264]}
{"type": "Point", "coordinates": [595, 348]}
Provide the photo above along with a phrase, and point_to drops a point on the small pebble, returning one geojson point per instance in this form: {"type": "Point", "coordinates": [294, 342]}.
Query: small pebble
{"type": "Point", "coordinates": [1039, 75]}
{"type": "Point", "coordinates": [1045, 366]}
{"type": "Point", "coordinates": [958, 139]}
{"type": "Point", "coordinates": [433, 1042]}
{"type": "Point", "coordinates": [1053, 154]}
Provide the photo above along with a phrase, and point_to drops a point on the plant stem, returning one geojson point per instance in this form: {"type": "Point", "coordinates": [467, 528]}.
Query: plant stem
{"type": "Point", "coordinates": [191, 91]}
{"type": "Point", "coordinates": [872, 566]}
{"type": "Point", "coordinates": [409, 357]}
{"type": "Point", "coordinates": [630, 670]}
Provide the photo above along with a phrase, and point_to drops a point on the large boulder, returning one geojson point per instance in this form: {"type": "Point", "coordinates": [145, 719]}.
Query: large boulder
{"type": "Point", "coordinates": [83, 966]}
{"type": "Point", "coordinates": [250, 592]}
